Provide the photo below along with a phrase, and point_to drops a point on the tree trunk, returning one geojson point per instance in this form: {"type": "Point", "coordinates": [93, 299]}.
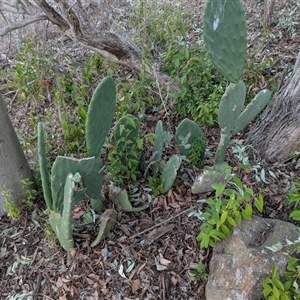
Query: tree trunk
{"type": "Point", "coordinates": [276, 133]}
{"type": "Point", "coordinates": [13, 164]}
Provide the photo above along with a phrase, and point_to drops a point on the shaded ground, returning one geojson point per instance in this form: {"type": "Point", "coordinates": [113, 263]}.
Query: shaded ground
{"type": "Point", "coordinates": [148, 255]}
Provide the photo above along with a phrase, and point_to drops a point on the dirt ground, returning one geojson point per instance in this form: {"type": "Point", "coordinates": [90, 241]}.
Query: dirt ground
{"type": "Point", "coordinates": [148, 255]}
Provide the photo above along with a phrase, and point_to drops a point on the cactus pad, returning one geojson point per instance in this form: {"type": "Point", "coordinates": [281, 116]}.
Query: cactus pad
{"type": "Point", "coordinates": [100, 114]}
{"type": "Point", "coordinates": [225, 36]}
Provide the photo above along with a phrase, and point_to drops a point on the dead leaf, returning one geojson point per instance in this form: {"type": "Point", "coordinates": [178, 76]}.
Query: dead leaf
{"type": "Point", "coordinates": [174, 280]}
{"type": "Point", "coordinates": [161, 262]}
{"type": "Point", "coordinates": [59, 282]}
{"type": "Point", "coordinates": [136, 284]}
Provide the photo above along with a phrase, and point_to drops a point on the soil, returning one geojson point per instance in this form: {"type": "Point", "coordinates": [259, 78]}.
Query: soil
{"type": "Point", "coordinates": [147, 255]}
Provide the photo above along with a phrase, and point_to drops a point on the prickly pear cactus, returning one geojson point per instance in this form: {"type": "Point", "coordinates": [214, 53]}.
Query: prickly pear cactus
{"type": "Point", "coordinates": [190, 136]}
{"type": "Point", "coordinates": [225, 36]}
{"type": "Point", "coordinates": [161, 137]}
{"type": "Point", "coordinates": [45, 176]}
{"type": "Point", "coordinates": [232, 118]}
{"type": "Point", "coordinates": [61, 222]}
{"type": "Point", "coordinates": [257, 104]}
{"type": "Point", "coordinates": [100, 114]}
{"type": "Point", "coordinates": [169, 173]}
{"type": "Point", "coordinates": [88, 168]}
{"type": "Point", "coordinates": [231, 105]}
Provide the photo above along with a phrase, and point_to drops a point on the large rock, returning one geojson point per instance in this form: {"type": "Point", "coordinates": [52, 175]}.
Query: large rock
{"type": "Point", "coordinates": [241, 262]}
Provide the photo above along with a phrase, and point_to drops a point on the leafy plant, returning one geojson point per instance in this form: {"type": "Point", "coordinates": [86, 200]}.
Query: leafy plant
{"type": "Point", "coordinates": [201, 86]}
{"type": "Point", "coordinates": [31, 74]}
{"type": "Point", "coordinates": [226, 210]}
{"type": "Point", "coordinates": [200, 272]}
{"type": "Point", "coordinates": [287, 286]}
{"type": "Point", "coordinates": [29, 191]}
{"type": "Point", "coordinates": [10, 206]}
{"type": "Point", "coordinates": [126, 157]}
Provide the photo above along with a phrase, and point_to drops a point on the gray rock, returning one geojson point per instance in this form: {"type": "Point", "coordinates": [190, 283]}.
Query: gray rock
{"type": "Point", "coordinates": [241, 262]}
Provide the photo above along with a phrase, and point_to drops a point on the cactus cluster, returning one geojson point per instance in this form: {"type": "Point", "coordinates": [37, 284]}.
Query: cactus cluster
{"type": "Point", "coordinates": [225, 36]}
{"type": "Point", "coordinates": [233, 118]}
{"type": "Point", "coordinates": [191, 141]}
{"type": "Point", "coordinates": [59, 186]}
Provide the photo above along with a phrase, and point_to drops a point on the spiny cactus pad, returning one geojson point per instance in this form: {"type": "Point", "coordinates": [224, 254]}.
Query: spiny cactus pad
{"type": "Point", "coordinates": [257, 104]}
{"type": "Point", "coordinates": [169, 173]}
{"type": "Point", "coordinates": [61, 222]}
{"type": "Point", "coordinates": [186, 133]}
{"type": "Point", "coordinates": [45, 175]}
{"type": "Point", "coordinates": [100, 114]}
{"type": "Point", "coordinates": [88, 168]}
{"type": "Point", "coordinates": [225, 34]}
{"type": "Point", "coordinates": [161, 137]}
{"type": "Point", "coordinates": [231, 105]}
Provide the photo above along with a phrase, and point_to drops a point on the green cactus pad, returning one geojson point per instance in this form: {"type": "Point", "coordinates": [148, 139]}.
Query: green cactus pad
{"type": "Point", "coordinates": [257, 104]}
{"type": "Point", "coordinates": [186, 133]}
{"type": "Point", "coordinates": [231, 105]}
{"type": "Point", "coordinates": [61, 222]}
{"type": "Point", "coordinates": [169, 173]}
{"type": "Point", "coordinates": [88, 168]}
{"type": "Point", "coordinates": [100, 115]}
{"type": "Point", "coordinates": [161, 137]}
{"type": "Point", "coordinates": [225, 36]}
{"type": "Point", "coordinates": [45, 176]}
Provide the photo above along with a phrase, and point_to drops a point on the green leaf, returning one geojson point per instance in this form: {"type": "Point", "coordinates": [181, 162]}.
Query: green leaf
{"type": "Point", "coordinates": [224, 216]}
{"type": "Point", "coordinates": [247, 212]}
{"type": "Point", "coordinates": [267, 289]}
{"type": "Point", "coordinates": [259, 203]}
{"type": "Point", "coordinates": [295, 215]}
{"type": "Point", "coordinates": [225, 229]}
{"type": "Point", "coordinates": [219, 187]}
{"type": "Point", "coordinates": [231, 221]}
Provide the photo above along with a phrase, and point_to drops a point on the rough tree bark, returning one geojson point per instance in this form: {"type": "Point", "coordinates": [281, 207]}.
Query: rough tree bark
{"type": "Point", "coordinates": [276, 133]}
{"type": "Point", "coordinates": [13, 164]}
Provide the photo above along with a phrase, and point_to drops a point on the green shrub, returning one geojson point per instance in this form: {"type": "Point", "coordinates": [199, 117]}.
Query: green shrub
{"type": "Point", "coordinates": [200, 85]}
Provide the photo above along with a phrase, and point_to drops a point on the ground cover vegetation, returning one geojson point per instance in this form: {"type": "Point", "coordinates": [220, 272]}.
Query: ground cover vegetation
{"type": "Point", "coordinates": [153, 139]}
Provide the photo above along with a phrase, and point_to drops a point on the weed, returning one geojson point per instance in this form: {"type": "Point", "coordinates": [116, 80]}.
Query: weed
{"type": "Point", "coordinates": [10, 206]}
{"type": "Point", "coordinates": [50, 235]}
{"type": "Point", "coordinates": [126, 155]}
{"type": "Point", "coordinates": [29, 192]}
{"type": "Point", "coordinates": [226, 210]}
{"type": "Point", "coordinates": [201, 86]}
{"type": "Point", "coordinates": [32, 71]}
{"type": "Point", "coordinates": [286, 287]}
{"type": "Point", "coordinates": [156, 24]}
{"type": "Point", "coordinates": [156, 185]}
{"type": "Point", "coordinates": [199, 273]}
{"type": "Point", "coordinates": [196, 154]}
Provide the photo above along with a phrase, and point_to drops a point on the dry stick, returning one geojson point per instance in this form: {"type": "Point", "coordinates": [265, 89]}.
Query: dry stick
{"type": "Point", "coordinates": [161, 223]}
{"type": "Point", "coordinates": [37, 287]}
